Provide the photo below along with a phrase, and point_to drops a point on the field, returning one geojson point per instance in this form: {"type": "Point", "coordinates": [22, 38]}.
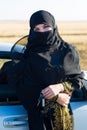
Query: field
{"type": "Point", "coordinates": [73, 32]}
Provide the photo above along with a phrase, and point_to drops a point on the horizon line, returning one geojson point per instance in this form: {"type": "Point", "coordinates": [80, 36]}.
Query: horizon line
{"type": "Point", "coordinates": [16, 20]}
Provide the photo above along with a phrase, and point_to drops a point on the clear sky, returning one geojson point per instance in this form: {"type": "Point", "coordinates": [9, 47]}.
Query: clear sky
{"type": "Point", "coordinates": [63, 10]}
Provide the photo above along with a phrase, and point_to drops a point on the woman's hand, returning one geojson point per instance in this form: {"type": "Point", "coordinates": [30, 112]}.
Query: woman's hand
{"type": "Point", "coordinates": [56, 89]}
{"type": "Point", "coordinates": [52, 90]}
{"type": "Point", "coordinates": [63, 99]}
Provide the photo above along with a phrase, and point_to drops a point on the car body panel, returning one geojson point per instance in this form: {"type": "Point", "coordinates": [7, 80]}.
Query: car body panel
{"type": "Point", "coordinates": [79, 115]}
{"type": "Point", "coordinates": [5, 46]}
{"type": "Point", "coordinates": [13, 117]}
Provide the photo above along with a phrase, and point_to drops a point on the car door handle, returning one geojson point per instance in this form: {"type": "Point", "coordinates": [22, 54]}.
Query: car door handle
{"type": "Point", "coordinates": [15, 121]}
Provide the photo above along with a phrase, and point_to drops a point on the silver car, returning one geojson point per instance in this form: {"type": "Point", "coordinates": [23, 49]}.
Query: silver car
{"type": "Point", "coordinates": [13, 116]}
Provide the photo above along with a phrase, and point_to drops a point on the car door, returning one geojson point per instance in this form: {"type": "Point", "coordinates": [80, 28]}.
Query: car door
{"type": "Point", "coordinates": [13, 116]}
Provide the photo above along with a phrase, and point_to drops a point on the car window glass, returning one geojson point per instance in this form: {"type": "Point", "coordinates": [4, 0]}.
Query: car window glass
{"type": "Point", "coordinates": [2, 61]}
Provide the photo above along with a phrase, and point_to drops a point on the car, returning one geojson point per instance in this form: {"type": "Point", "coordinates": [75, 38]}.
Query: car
{"type": "Point", "coordinates": [13, 115]}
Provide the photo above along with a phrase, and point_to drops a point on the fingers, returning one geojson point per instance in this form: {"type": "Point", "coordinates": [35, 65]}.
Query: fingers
{"type": "Point", "coordinates": [47, 93]}
{"type": "Point", "coordinates": [63, 99]}
{"type": "Point", "coordinates": [52, 90]}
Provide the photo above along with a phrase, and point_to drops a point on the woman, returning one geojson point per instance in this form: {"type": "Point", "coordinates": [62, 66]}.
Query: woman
{"type": "Point", "coordinates": [47, 75]}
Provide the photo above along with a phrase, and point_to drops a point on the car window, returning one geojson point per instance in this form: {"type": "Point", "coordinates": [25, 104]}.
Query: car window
{"type": "Point", "coordinates": [2, 61]}
{"type": "Point", "coordinates": [20, 45]}
{"type": "Point", "coordinates": [18, 48]}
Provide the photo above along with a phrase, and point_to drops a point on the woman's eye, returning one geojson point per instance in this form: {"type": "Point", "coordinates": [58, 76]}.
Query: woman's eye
{"type": "Point", "coordinates": [36, 29]}
{"type": "Point", "coordinates": [42, 28]}
{"type": "Point", "coordinates": [46, 26]}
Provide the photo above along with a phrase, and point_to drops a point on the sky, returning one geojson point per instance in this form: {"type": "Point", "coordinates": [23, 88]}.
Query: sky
{"type": "Point", "coordinates": [63, 10]}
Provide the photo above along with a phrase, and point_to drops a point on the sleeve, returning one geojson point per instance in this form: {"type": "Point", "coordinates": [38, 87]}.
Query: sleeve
{"type": "Point", "coordinates": [72, 68]}
{"type": "Point", "coordinates": [72, 62]}
{"type": "Point", "coordinates": [20, 76]}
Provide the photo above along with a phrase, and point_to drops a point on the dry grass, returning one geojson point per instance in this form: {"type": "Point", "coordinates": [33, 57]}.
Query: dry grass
{"type": "Point", "coordinates": [12, 31]}
{"type": "Point", "coordinates": [76, 34]}
{"type": "Point", "coordinates": [72, 32]}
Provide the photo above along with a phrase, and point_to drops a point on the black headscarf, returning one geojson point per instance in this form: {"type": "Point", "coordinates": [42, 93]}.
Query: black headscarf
{"type": "Point", "coordinates": [64, 54]}
{"type": "Point", "coordinates": [42, 39]}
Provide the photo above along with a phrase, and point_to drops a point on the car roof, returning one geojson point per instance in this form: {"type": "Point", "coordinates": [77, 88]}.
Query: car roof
{"type": "Point", "coordinates": [6, 46]}
{"type": "Point", "coordinates": [9, 50]}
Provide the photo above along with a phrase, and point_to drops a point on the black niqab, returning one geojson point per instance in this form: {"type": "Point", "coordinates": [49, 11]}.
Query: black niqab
{"type": "Point", "coordinates": [42, 39]}
{"type": "Point", "coordinates": [51, 46]}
